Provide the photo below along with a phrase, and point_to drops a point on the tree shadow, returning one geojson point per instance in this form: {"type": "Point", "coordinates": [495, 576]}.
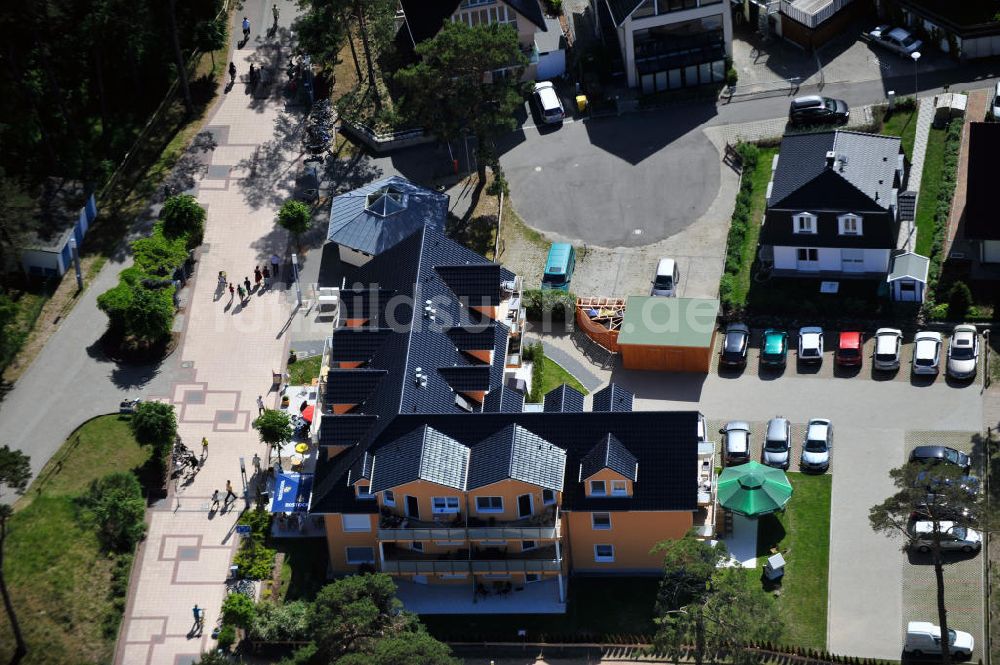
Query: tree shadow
{"type": "Point", "coordinates": [268, 179]}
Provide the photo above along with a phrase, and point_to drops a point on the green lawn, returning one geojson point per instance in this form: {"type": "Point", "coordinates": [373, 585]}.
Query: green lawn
{"type": "Point", "coordinates": [59, 578]}
{"type": "Point", "coordinates": [303, 570]}
{"type": "Point", "coordinates": [598, 608]}
{"type": "Point", "coordinates": [302, 372]}
{"type": "Point", "coordinates": [904, 125]}
{"type": "Point", "coordinates": [553, 376]}
{"type": "Point", "coordinates": [802, 534]}
{"type": "Point", "coordinates": [759, 178]}
{"type": "Point", "coordinates": [930, 186]}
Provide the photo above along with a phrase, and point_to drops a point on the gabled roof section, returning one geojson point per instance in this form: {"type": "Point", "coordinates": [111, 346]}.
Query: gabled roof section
{"type": "Point", "coordinates": [345, 429]}
{"type": "Point", "coordinates": [423, 454]}
{"type": "Point", "coordinates": [425, 17]}
{"type": "Point", "coordinates": [861, 178]}
{"type": "Point", "coordinates": [563, 399]}
{"type": "Point", "coordinates": [376, 217]}
{"type": "Point", "coordinates": [612, 398]}
{"type": "Point", "coordinates": [467, 378]}
{"type": "Point", "coordinates": [351, 386]}
{"type": "Point", "coordinates": [516, 453]}
{"type": "Point", "coordinates": [609, 453]}
{"type": "Point", "coordinates": [529, 9]}
{"type": "Point", "coordinates": [504, 399]}
{"type": "Point", "coordinates": [361, 470]}
{"type": "Point", "coordinates": [909, 266]}
{"type": "Point", "coordinates": [478, 283]}
{"type": "Point", "coordinates": [473, 338]}
{"type": "Point", "coordinates": [622, 9]}
{"type": "Point", "coordinates": [982, 221]}
{"type": "Point", "coordinates": [356, 344]}
{"type": "Point", "coordinates": [358, 302]}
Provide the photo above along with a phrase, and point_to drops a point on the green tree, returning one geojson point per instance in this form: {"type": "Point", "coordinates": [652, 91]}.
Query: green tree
{"type": "Point", "coordinates": [154, 424]}
{"type": "Point", "coordinates": [212, 35]}
{"type": "Point", "coordinates": [214, 658]}
{"type": "Point", "coordinates": [274, 428]}
{"type": "Point", "coordinates": [711, 607]}
{"type": "Point", "coordinates": [238, 610]}
{"type": "Point", "coordinates": [416, 648]}
{"type": "Point", "coordinates": [15, 472]}
{"type": "Point", "coordinates": [452, 88]}
{"type": "Point", "coordinates": [149, 316]}
{"type": "Point", "coordinates": [934, 493]}
{"type": "Point", "coordinates": [17, 218]}
{"type": "Point", "coordinates": [295, 217]}
{"type": "Point", "coordinates": [183, 216]}
{"type": "Point", "coordinates": [116, 503]}
{"type": "Point", "coordinates": [959, 301]}
{"type": "Point", "coordinates": [353, 613]}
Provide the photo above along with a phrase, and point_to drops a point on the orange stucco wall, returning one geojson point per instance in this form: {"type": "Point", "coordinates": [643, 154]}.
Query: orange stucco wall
{"type": "Point", "coordinates": [508, 489]}
{"type": "Point", "coordinates": [632, 533]}
{"type": "Point", "coordinates": [337, 540]}
{"type": "Point", "coordinates": [607, 475]}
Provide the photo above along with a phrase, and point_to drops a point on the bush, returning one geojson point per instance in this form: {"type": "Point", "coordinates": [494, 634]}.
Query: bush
{"type": "Point", "coordinates": [227, 637]}
{"type": "Point", "coordinates": [549, 305]}
{"type": "Point", "coordinates": [282, 623]}
{"type": "Point", "coordinates": [259, 522]}
{"type": "Point", "coordinates": [301, 656]}
{"type": "Point", "coordinates": [183, 218]}
{"type": "Point", "coordinates": [942, 211]}
{"type": "Point", "coordinates": [159, 256]}
{"type": "Point", "coordinates": [536, 354]}
{"type": "Point", "coordinates": [238, 610]}
{"type": "Point", "coordinates": [116, 504]}
{"type": "Point", "coordinates": [738, 227]}
{"type": "Point", "coordinates": [959, 301]}
{"type": "Point", "coordinates": [295, 217]}
{"type": "Point", "coordinates": [553, 7]}
{"type": "Point", "coordinates": [154, 424]}
{"type": "Point", "coordinates": [732, 76]}
{"type": "Point", "coordinates": [255, 560]}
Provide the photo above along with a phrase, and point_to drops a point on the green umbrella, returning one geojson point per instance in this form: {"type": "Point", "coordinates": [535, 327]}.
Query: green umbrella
{"type": "Point", "coordinates": [753, 489]}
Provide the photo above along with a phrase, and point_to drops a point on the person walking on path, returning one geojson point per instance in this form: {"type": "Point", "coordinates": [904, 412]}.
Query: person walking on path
{"type": "Point", "coordinates": [204, 448]}
{"type": "Point", "coordinates": [256, 462]}
{"type": "Point", "coordinates": [260, 405]}
{"type": "Point", "coordinates": [246, 283]}
{"type": "Point", "coordinates": [215, 499]}
{"type": "Point", "coordinates": [232, 72]}
{"type": "Point", "coordinates": [274, 11]}
{"type": "Point", "coordinates": [252, 77]}
{"type": "Point", "coordinates": [243, 297]}
{"type": "Point", "coordinates": [229, 492]}
{"type": "Point", "coordinates": [199, 620]}
{"type": "Point", "coordinates": [257, 276]}
{"type": "Point", "coordinates": [232, 292]}
{"type": "Point", "coordinates": [275, 265]}
{"type": "Point", "coordinates": [267, 277]}
{"type": "Point", "coordinates": [246, 29]}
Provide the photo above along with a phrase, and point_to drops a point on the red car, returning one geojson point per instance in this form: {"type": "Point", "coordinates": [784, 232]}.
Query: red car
{"type": "Point", "coordinates": [849, 349]}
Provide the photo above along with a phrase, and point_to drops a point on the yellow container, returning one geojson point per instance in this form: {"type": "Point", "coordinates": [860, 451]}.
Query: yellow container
{"type": "Point", "coordinates": [581, 103]}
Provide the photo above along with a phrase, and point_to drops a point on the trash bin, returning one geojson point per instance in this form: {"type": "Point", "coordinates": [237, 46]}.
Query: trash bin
{"type": "Point", "coordinates": [581, 103]}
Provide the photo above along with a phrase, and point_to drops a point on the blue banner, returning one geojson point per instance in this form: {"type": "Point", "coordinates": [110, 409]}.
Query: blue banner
{"type": "Point", "coordinates": [291, 493]}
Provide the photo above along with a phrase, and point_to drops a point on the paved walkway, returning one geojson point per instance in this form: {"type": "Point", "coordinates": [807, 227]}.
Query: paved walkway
{"type": "Point", "coordinates": [230, 351]}
{"type": "Point", "coordinates": [925, 116]}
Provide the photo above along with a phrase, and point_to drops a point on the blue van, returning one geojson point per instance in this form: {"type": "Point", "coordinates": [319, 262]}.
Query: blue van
{"type": "Point", "coordinates": [559, 266]}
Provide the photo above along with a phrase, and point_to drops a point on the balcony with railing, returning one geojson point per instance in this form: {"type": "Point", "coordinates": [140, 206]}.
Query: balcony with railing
{"type": "Point", "coordinates": [480, 561]}
{"type": "Point", "coordinates": [704, 517]}
{"type": "Point", "coordinates": [543, 526]}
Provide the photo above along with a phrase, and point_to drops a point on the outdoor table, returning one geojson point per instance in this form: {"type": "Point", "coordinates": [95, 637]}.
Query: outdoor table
{"type": "Point", "coordinates": [302, 448]}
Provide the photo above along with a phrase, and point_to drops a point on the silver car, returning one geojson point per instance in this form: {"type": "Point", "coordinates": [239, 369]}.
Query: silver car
{"type": "Point", "coordinates": [888, 341]}
{"type": "Point", "coordinates": [736, 449]}
{"type": "Point", "coordinates": [963, 352]}
{"type": "Point", "coordinates": [811, 344]}
{"type": "Point", "coordinates": [895, 39]}
{"type": "Point", "coordinates": [926, 352]}
{"type": "Point", "coordinates": [817, 446]}
{"type": "Point", "coordinates": [953, 537]}
{"type": "Point", "coordinates": [778, 443]}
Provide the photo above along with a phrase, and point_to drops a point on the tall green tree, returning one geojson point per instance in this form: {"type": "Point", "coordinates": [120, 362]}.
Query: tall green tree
{"type": "Point", "coordinates": [118, 510]}
{"type": "Point", "coordinates": [274, 428]}
{"type": "Point", "coordinates": [710, 606]}
{"type": "Point", "coordinates": [15, 472]}
{"type": "Point", "coordinates": [353, 613]}
{"type": "Point", "coordinates": [154, 424]}
{"type": "Point", "coordinates": [17, 218]}
{"type": "Point", "coordinates": [455, 85]}
{"type": "Point", "coordinates": [413, 648]}
{"type": "Point", "coordinates": [295, 217]}
{"type": "Point", "coordinates": [936, 493]}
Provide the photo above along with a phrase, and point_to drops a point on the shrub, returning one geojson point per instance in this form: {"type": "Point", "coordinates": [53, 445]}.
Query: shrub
{"type": "Point", "coordinates": [227, 637]}
{"type": "Point", "coordinates": [238, 610]}
{"type": "Point", "coordinates": [959, 301]}
{"type": "Point", "coordinates": [732, 76]}
{"type": "Point", "coordinates": [183, 218]}
{"type": "Point", "coordinates": [259, 522]}
{"type": "Point", "coordinates": [154, 424]}
{"type": "Point", "coordinates": [282, 623]}
{"type": "Point", "coordinates": [159, 256]}
{"type": "Point", "coordinates": [295, 217]}
{"type": "Point", "coordinates": [255, 560]}
{"type": "Point", "coordinates": [536, 354]}
{"type": "Point", "coordinates": [549, 305]}
{"type": "Point", "coordinates": [116, 504]}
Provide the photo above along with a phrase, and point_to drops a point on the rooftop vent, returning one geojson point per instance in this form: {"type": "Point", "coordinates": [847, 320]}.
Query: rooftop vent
{"type": "Point", "coordinates": [831, 157]}
{"type": "Point", "coordinates": [463, 404]}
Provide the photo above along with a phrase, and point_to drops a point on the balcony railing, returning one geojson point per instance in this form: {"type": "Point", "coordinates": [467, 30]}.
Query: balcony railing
{"type": "Point", "coordinates": [544, 526]}
{"type": "Point", "coordinates": [479, 561]}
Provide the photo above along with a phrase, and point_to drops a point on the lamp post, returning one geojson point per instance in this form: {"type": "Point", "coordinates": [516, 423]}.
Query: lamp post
{"type": "Point", "coordinates": [295, 273]}
{"type": "Point", "coordinates": [916, 57]}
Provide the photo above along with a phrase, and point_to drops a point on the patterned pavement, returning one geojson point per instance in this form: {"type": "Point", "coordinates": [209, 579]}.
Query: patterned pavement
{"type": "Point", "coordinates": [230, 351]}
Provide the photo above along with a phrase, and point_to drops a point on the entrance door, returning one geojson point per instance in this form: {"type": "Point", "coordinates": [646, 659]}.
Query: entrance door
{"type": "Point", "coordinates": [524, 505]}
{"type": "Point", "coordinates": [412, 507]}
{"type": "Point", "coordinates": [807, 259]}
{"type": "Point", "coordinates": [852, 260]}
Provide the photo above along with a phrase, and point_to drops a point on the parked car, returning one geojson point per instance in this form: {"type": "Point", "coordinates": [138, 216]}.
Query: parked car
{"type": "Point", "coordinates": [923, 637]}
{"type": "Point", "coordinates": [817, 446]}
{"type": "Point", "coordinates": [778, 443]}
{"type": "Point", "coordinates": [936, 482]}
{"type": "Point", "coordinates": [735, 345]}
{"type": "Point", "coordinates": [895, 39]}
{"type": "Point", "coordinates": [702, 429]}
{"type": "Point", "coordinates": [816, 110]}
{"type": "Point", "coordinates": [665, 278]}
{"type": "Point", "coordinates": [926, 352]}
{"type": "Point", "coordinates": [954, 537]}
{"type": "Point", "coordinates": [888, 342]}
{"type": "Point", "coordinates": [996, 101]}
{"type": "Point", "coordinates": [936, 454]}
{"type": "Point", "coordinates": [963, 352]}
{"type": "Point", "coordinates": [736, 447]}
{"type": "Point", "coordinates": [549, 106]}
{"type": "Point", "coordinates": [559, 267]}
{"type": "Point", "coordinates": [811, 344]}
{"type": "Point", "coordinates": [773, 348]}
{"type": "Point", "coordinates": [849, 345]}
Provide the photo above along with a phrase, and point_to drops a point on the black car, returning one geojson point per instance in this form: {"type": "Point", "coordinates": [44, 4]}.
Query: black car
{"type": "Point", "coordinates": [735, 345]}
{"type": "Point", "coordinates": [935, 454]}
{"type": "Point", "coordinates": [816, 110]}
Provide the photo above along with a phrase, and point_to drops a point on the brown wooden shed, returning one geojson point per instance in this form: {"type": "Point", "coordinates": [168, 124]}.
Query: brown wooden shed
{"type": "Point", "coordinates": [668, 334]}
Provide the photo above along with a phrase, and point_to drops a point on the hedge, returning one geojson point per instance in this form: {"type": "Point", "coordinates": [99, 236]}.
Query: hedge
{"type": "Point", "coordinates": [738, 227]}
{"type": "Point", "coordinates": [942, 211]}
{"type": "Point", "coordinates": [549, 305]}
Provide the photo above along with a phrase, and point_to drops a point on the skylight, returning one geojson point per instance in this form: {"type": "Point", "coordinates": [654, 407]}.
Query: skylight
{"type": "Point", "coordinates": [386, 201]}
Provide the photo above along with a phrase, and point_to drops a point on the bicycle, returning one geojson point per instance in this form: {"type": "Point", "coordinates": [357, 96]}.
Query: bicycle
{"type": "Point", "coordinates": [243, 587]}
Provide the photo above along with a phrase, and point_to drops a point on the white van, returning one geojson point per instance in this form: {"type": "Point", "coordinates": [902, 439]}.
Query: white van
{"type": "Point", "coordinates": [923, 637]}
{"type": "Point", "coordinates": [665, 279]}
{"type": "Point", "coordinates": [996, 101]}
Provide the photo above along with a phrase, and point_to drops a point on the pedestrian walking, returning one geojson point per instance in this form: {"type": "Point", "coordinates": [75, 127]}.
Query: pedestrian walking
{"type": "Point", "coordinates": [267, 277]}
{"type": "Point", "coordinates": [222, 279]}
{"type": "Point", "coordinates": [199, 618]}
{"type": "Point", "coordinates": [243, 297]}
{"type": "Point", "coordinates": [275, 265]}
{"type": "Point", "coordinates": [204, 447]}
{"type": "Point", "coordinates": [256, 462]}
{"type": "Point", "coordinates": [274, 11]}
{"type": "Point", "coordinates": [257, 276]}
{"type": "Point", "coordinates": [229, 492]}
{"type": "Point", "coordinates": [252, 77]}
{"type": "Point", "coordinates": [215, 499]}
{"type": "Point", "coordinates": [232, 72]}
{"type": "Point", "coordinates": [260, 405]}
{"type": "Point", "coordinates": [232, 292]}
{"type": "Point", "coordinates": [246, 29]}
{"type": "Point", "coordinates": [246, 283]}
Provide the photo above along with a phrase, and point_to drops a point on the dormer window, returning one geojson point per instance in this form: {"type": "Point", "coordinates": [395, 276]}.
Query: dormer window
{"type": "Point", "coordinates": [619, 488]}
{"type": "Point", "coordinates": [849, 225]}
{"type": "Point", "coordinates": [598, 488]}
{"type": "Point", "coordinates": [804, 222]}
{"type": "Point", "coordinates": [364, 491]}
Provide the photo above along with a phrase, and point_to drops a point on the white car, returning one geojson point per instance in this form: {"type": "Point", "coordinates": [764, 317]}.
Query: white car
{"type": "Point", "coordinates": [736, 449]}
{"type": "Point", "coordinates": [926, 352]}
{"type": "Point", "coordinates": [996, 101]}
{"type": "Point", "coordinates": [888, 341]}
{"type": "Point", "coordinates": [549, 106]}
{"type": "Point", "coordinates": [924, 637]}
{"type": "Point", "coordinates": [963, 352]}
{"type": "Point", "coordinates": [817, 446]}
{"type": "Point", "coordinates": [665, 278]}
{"type": "Point", "coordinates": [953, 537]}
{"type": "Point", "coordinates": [811, 344]}
{"type": "Point", "coordinates": [895, 39]}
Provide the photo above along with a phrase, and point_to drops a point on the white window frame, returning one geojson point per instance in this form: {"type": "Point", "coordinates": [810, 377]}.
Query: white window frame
{"type": "Point", "coordinates": [599, 527]}
{"type": "Point", "coordinates": [388, 498]}
{"type": "Point", "coordinates": [357, 528]}
{"type": "Point", "coordinates": [604, 558]}
{"type": "Point", "coordinates": [807, 250]}
{"type": "Point", "coordinates": [530, 578]}
{"type": "Point", "coordinates": [366, 494]}
{"type": "Point", "coordinates": [347, 554]}
{"type": "Point", "coordinates": [417, 545]}
{"type": "Point", "coordinates": [548, 497]}
{"type": "Point", "coordinates": [619, 488]}
{"type": "Point", "coordinates": [804, 217]}
{"type": "Point", "coordinates": [525, 545]}
{"type": "Point", "coordinates": [844, 220]}
{"type": "Point", "coordinates": [444, 505]}
{"type": "Point", "coordinates": [480, 509]}
{"type": "Point", "coordinates": [598, 483]}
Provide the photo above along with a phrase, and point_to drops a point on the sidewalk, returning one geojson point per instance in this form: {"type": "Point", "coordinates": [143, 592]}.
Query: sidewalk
{"type": "Point", "coordinates": [230, 352]}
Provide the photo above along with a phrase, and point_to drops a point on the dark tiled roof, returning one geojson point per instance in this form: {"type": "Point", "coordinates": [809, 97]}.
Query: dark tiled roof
{"type": "Point", "coordinates": [622, 9]}
{"type": "Point", "coordinates": [362, 302]}
{"type": "Point", "coordinates": [423, 454]}
{"type": "Point", "coordinates": [345, 430]}
{"type": "Point", "coordinates": [356, 344]}
{"type": "Point", "coordinates": [425, 17]}
{"type": "Point", "coordinates": [479, 284]}
{"type": "Point", "coordinates": [982, 222]}
{"type": "Point", "coordinates": [529, 9]}
{"type": "Point", "coordinates": [473, 339]}
{"type": "Point", "coordinates": [564, 399]}
{"type": "Point", "coordinates": [362, 468]}
{"type": "Point", "coordinates": [377, 216]}
{"type": "Point", "coordinates": [467, 378]}
{"type": "Point", "coordinates": [664, 442]}
{"type": "Point", "coordinates": [504, 399]}
{"type": "Point", "coordinates": [609, 454]}
{"type": "Point", "coordinates": [351, 386]}
{"type": "Point", "coordinates": [612, 398]}
{"type": "Point", "coordinates": [515, 452]}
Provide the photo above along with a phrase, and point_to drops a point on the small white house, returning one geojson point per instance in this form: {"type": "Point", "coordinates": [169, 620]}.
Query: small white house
{"type": "Point", "coordinates": [67, 210]}
{"type": "Point", "coordinates": [908, 277]}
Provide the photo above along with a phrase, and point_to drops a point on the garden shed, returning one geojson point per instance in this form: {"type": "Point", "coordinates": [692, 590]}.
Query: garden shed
{"type": "Point", "coordinates": [66, 209]}
{"type": "Point", "coordinates": [908, 277]}
{"type": "Point", "coordinates": [668, 334]}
